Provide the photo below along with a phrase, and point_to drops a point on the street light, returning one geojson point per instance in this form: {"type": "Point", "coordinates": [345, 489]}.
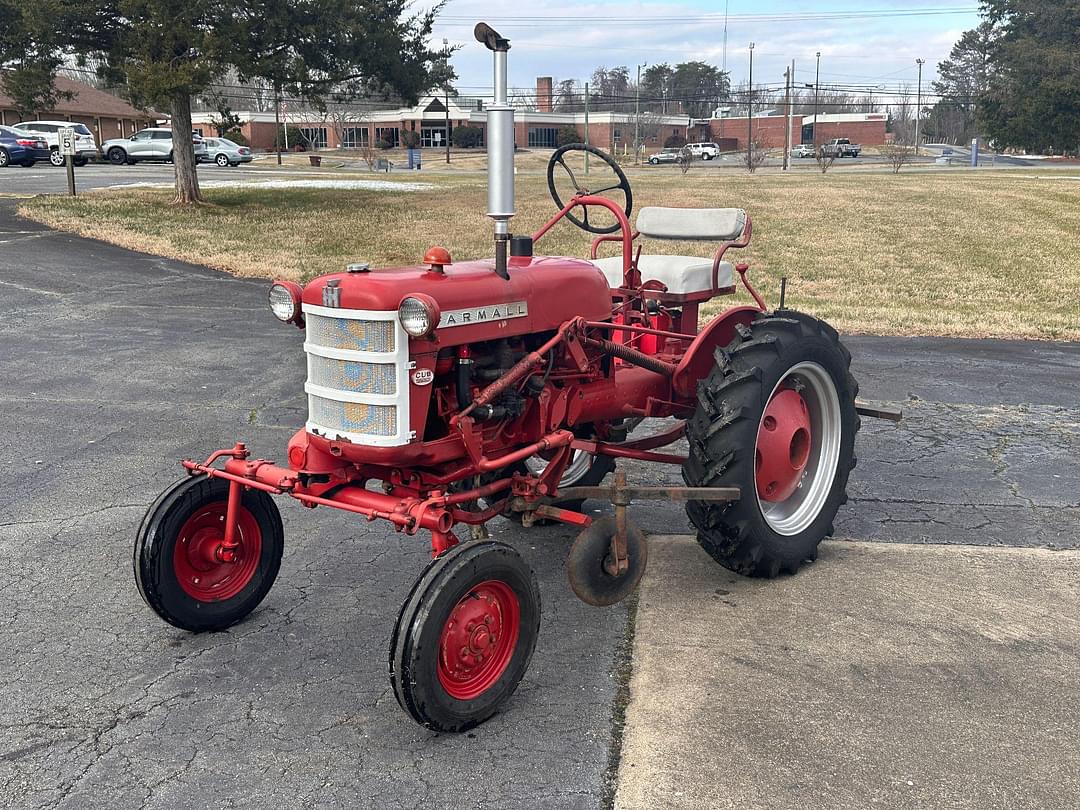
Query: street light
{"type": "Point", "coordinates": [637, 117]}
{"type": "Point", "coordinates": [918, 104]}
{"type": "Point", "coordinates": [750, 113]}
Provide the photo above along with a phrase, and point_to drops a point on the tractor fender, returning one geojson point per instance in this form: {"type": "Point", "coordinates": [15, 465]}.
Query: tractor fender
{"type": "Point", "coordinates": [698, 360]}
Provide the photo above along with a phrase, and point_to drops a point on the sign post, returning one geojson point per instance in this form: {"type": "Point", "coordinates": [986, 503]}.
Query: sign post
{"type": "Point", "coordinates": [67, 149]}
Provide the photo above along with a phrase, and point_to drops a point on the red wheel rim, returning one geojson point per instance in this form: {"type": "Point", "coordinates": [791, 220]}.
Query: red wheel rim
{"type": "Point", "coordinates": [478, 639]}
{"type": "Point", "coordinates": [783, 446]}
{"type": "Point", "coordinates": [197, 559]}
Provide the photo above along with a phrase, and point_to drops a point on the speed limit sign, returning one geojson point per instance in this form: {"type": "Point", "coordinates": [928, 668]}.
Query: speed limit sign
{"type": "Point", "coordinates": [67, 141]}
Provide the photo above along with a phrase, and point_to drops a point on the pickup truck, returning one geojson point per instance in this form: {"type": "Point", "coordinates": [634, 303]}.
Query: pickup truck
{"type": "Point", "coordinates": [841, 148]}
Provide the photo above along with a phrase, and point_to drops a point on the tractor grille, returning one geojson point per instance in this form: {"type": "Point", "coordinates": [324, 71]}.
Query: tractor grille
{"type": "Point", "coordinates": [351, 334]}
{"type": "Point", "coordinates": [357, 376]}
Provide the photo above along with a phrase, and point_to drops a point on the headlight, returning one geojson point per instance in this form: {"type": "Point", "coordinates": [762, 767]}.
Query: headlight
{"type": "Point", "coordinates": [284, 299]}
{"type": "Point", "coordinates": [419, 315]}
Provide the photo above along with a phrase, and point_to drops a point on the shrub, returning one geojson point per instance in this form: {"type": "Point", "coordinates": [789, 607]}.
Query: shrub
{"type": "Point", "coordinates": [467, 137]}
{"type": "Point", "coordinates": [237, 137]}
{"type": "Point", "coordinates": [674, 142]}
{"type": "Point", "coordinates": [382, 144]}
{"type": "Point", "coordinates": [296, 137]}
{"type": "Point", "coordinates": [567, 134]}
{"type": "Point", "coordinates": [410, 139]}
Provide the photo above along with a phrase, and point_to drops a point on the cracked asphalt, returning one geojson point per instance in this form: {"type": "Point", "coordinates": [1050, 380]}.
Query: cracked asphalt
{"type": "Point", "coordinates": [118, 364]}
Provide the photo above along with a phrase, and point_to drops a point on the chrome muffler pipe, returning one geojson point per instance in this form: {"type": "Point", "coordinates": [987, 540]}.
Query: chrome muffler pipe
{"type": "Point", "coordinates": [500, 147]}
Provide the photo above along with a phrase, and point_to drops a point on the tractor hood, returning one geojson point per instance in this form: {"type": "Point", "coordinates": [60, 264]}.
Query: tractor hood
{"type": "Point", "coordinates": [541, 294]}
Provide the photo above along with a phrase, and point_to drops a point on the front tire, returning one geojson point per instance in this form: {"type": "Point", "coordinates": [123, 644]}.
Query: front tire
{"type": "Point", "coordinates": [5, 159]}
{"type": "Point", "coordinates": [776, 418]}
{"type": "Point", "coordinates": [177, 569]}
{"type": "Point", "coordinates": [55, 158]}
{"type": "Point", "coordinates": [117, 156]}
{"type": "Point", "coordinates": [465, 636]}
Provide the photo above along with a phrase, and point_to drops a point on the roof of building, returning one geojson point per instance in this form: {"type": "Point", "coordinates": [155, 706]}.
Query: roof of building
{"type": "Point", "coordinates": [86, 100]}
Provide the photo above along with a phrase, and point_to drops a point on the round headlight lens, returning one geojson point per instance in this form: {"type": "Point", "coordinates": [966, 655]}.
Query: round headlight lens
{"type": "Point", "coordinates": [284, 301]}
{"type": "Point", "coordinates": [418, 317]}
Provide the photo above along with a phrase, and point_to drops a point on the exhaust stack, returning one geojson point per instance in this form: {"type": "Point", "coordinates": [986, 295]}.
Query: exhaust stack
{"type": "Point", "coordinates": [500, 147]}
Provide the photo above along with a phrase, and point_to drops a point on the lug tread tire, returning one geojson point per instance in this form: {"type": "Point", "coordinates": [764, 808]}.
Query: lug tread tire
{"type": "Point", "coordinates": [156, 537]}
{"type": "Point", "coordinates": [722, 436]}
{"type": "Point", "coordinates": [414, 643]}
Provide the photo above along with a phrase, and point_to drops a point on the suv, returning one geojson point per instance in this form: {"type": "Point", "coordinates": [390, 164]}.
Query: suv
{"type": "Point", "coordinates": [704, 151]}
{"type": "Point", "coordinates": [154, 143]}
{"type": "Point", "coordinates": [85, 145]}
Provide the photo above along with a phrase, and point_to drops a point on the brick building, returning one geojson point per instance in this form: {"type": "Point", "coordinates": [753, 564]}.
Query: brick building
{"type": "Point", "coordinates": [106, 115]}
{"type": "Point", "coordinates": [538, 127]}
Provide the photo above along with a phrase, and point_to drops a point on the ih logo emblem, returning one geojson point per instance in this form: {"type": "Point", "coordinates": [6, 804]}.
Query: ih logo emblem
{"type": "Point", "coordinates": [331, 294]}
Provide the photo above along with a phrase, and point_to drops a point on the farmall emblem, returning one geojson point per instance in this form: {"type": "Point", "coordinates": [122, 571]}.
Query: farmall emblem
{"type": "Point", "coordinates": [423, 376]}
{"type": "Point", "coordinates": [475, 315]}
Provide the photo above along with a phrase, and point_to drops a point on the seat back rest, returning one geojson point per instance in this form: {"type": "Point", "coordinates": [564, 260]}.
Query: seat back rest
{"type": "Point", "coordinates": [697, 224]}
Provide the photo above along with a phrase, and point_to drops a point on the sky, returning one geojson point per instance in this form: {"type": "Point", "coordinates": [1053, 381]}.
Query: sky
{"type": "Point", "coordinates": [567, 39]}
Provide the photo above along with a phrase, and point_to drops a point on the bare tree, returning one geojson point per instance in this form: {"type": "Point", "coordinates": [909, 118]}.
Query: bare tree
{"type": "Point", "coordinates": [897, 155]}
{"type": "Point", "coordinates": [825, 160]}
{"type": "Point", "coordinates": [755, 155]}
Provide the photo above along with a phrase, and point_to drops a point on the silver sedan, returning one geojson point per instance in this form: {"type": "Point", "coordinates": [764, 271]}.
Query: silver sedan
{"type": "Point", "coordinates": [224, 152]}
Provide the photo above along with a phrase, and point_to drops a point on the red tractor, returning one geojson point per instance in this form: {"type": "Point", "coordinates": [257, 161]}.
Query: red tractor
{"type": "Point", "coordinates": [455, 392]}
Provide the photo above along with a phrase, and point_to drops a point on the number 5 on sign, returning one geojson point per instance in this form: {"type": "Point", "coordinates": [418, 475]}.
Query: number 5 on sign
{"type": "Point", "coordinates": [67, 148]}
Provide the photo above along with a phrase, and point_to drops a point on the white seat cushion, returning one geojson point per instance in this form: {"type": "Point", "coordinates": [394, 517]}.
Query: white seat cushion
{"type": "Point", "coordinates": [702, 224]}
{"type": "Point", "coordinates": [681, 275]}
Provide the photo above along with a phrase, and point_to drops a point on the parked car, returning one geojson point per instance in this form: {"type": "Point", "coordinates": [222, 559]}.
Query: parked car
{"type": "Point", "coordinates": [841, 148]}
{"type": "Point", "coordinates": [154, 143]}
{"type": "Point", "coordinates": [803, 150]}
{"type": "Point", "coordinates": [21, 147]}
{"type": "Point", "coordinates": [704, 151]}
{"type": "Point", "coordinates": [224, 152]}
{"type": "Point", "coordinates": [85, 145]}
{"type": "Point", "coordinates": [664, 156]}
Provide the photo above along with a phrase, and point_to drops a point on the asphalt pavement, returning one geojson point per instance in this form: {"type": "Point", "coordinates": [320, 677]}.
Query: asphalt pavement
{"type": "Point", "coordinates": [118, 364]}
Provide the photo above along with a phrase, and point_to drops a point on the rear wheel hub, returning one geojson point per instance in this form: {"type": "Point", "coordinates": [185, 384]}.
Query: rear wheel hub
{"type": "Point", "coordinates": [783, 446]}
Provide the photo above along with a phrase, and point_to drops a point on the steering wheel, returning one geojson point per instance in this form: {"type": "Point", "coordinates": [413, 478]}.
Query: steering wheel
{"type": "Point", "coordinates": [605, 185]}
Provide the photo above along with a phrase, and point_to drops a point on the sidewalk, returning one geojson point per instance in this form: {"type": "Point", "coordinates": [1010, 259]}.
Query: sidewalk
{"type": "Point", "coordinates": [883, 675]}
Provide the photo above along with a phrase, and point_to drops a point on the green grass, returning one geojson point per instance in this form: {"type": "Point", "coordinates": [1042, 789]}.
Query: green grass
{"type": "Point", "coordinates": [931, 253]}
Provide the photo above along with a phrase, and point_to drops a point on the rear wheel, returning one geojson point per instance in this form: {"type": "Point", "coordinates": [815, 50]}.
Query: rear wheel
{"type": "Point", "coordinates": [179, 565]}
{"type": "Point", "coordinates": [465, 636]}
{"type": "Point", "coordinates": [81, 161]}
{"type": "Point", "coordinates": [222, 160]}
{"type": "Point", "coordinates": [776, 418]}
{"type": "Point", "coordinates": [55, 158]}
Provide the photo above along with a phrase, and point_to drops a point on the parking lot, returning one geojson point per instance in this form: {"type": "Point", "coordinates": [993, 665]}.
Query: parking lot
{"type": "Point", "coordinates": [43, 178]}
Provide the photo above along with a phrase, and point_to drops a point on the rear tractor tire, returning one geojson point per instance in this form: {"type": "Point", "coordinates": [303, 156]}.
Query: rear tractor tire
{"type": "Point", "coordinates": [775, 417]}
{"type": "Point", "coordinates": [179, 568]}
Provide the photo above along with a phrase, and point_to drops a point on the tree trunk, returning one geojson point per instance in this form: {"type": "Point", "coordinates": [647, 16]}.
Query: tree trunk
{"type": "Point", "coordinates": [183, 152]}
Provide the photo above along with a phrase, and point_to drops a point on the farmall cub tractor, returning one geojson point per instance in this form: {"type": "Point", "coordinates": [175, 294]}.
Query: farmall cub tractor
{"type": "Point", "coordinates": [455, 393]}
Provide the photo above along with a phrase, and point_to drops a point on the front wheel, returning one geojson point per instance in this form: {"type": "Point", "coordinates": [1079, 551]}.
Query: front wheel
{"type": "Point", "coordinates": [55, 158]}
{"type": "Point", "coordinates": [180, 568]}
{"type": "Point", "coordinates": [117, 156]}
{"type": "Point", "coordinates": [776, 417]}
{"type": "Point", "coordinates": [465, 636]}
{"type": "Point", "coordinates": [81, 161]}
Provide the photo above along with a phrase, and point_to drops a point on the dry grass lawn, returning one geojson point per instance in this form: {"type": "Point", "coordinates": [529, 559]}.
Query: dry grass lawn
{"type": "Point", "coordinates": [926, 253]}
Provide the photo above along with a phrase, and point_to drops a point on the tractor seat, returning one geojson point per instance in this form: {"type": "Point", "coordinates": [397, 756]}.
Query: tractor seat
{"type": "Point", "coordinates": [682, 275]}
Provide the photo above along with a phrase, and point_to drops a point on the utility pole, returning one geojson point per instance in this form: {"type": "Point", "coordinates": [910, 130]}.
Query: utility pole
{"type": "Point", "coordinates": [789, 77]}
{"type": "Point", "coordinates": [586, 127]}
{"type": "Point", "coordinates": [277, 122]}
{"type": "Point", "coordinates": [750, 113]}
{"type": "Point", "coordinates": [918, 105]}
{"type": "Point", "coordinates": [637, 117]}
{"type": "Point", "coordinates": [446, 100]}
{"type": "Point", "coordinates": [817, 92]}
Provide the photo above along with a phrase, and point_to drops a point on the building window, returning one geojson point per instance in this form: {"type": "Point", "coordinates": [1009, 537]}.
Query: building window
{"type": "Point", "coordinates": [315, 136]}
{"type": "Point", "coordinates": [433, 136]}
{"type": "Point", "coordinates": [543, 136]}
{"type": "Point", "coordinates": [388, 135]}
{"type": "Point", "coordinates": [354, 137]}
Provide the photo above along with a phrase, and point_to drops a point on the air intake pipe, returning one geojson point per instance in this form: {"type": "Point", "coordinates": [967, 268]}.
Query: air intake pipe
{"type": "Point", "coordinates": [500, 148]}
